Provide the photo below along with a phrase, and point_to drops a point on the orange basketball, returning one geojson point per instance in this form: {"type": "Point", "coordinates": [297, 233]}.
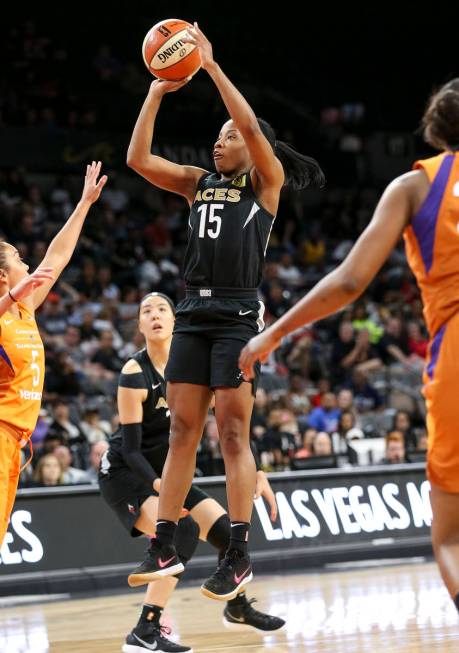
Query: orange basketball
{"type": "Point", "coordinates": [166, 56]}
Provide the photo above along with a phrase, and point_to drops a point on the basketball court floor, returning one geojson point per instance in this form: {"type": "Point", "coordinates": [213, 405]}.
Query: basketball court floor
{"type": "Point", "coordinates": [389, 607]}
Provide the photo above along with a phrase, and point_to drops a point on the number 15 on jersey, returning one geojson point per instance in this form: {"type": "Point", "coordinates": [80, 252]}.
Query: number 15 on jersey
{"type": "Point", "coordinates": [211, 219]}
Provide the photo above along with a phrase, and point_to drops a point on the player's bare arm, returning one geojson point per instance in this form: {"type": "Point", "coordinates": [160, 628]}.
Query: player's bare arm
{"type": "Point", "coordinates": [349, 280]}
{"type": "Point", "coordinates": [268, 169]}
{"type": "Point", "coordinates": [130, 400]}
{"type": "Point", "coordinates": [158, 171]}
{"type": "Point", "coordinates": [25, 288]}
{"type": "Point", "coordinates": [63, 245]}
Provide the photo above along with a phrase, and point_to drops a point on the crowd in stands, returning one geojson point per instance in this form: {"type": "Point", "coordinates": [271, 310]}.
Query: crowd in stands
{"type": "Point", "coordinates": [345, 390]}
{"type": "Point", "coordinates": [341, 392]}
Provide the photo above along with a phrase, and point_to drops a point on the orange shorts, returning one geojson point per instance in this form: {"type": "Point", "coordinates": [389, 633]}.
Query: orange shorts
{"type": "Point", "coordinates": [441, 391]}
{"type": "Point", "coordinates": [10, 468]}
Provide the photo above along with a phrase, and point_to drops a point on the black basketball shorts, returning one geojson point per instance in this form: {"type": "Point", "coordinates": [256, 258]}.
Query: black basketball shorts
{"type": "Point", "coordinates": [209, 334]}
{"type": "Point", "coordinates": [124, 492]}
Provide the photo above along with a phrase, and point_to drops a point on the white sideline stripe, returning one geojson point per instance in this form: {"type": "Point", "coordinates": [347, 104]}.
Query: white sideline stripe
{"type": "Point", "coordinates": [281, 646]}
{"type": "Point", "coordinates": [9, 601]}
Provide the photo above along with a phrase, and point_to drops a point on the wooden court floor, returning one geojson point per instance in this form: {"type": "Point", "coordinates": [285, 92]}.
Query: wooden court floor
{"type": "Point", "coordinates": [398, 608]}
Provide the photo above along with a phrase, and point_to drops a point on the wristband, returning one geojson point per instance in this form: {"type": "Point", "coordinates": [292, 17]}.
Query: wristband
{"type": "Point", "coordinates": [11, 297]}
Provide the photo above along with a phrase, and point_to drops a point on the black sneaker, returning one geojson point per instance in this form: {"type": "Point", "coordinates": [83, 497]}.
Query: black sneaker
{"type": "Point", "coordinates": [233, 573]}
{"type": "Point", "coordinates": [149, 637]}
{"type": "Point", "coordinates": [243, 617]}
{"type": "Point", "coordinates": [159, 562]}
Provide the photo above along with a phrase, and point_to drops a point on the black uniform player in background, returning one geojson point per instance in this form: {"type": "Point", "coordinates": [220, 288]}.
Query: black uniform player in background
{"type": "Point", "coordinates": [232, 212]}
{"type": "Point", "coordinates": [130, 477]}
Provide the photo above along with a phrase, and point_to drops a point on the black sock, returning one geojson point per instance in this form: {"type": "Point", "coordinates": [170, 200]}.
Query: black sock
{"type": "Point", "coordinates": [238, 600]}
{"type": "Point", "coordinates": [239, 536]}
{"type": "Point", "coordinates": [150, 614]}
{"type": "Point", "coordinates": [165, 531]}
{"type": "Point", "coordinates": [456, 602]}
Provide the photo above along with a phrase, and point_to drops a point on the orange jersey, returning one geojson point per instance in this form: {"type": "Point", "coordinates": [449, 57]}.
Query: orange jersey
{"type": "Point", "coordinates": [432, 241]}
{"type": "Point", "coordinates": [22, 369]}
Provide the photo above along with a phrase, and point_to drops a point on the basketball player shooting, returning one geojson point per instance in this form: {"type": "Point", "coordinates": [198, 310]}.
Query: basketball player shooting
{"type": "Point", "coordinates": [232, 211]}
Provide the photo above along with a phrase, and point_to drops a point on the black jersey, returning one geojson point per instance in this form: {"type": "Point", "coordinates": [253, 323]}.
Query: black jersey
{"type": "Point", "coordinates": [228, 234]}
{"type": "Point", "coordinates": [156, 415]}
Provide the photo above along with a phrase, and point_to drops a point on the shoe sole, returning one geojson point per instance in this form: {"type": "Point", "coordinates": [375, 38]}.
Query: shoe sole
{"type": "Point", "coordinates": [135, 580]}
{"type": "Point", "coordinates": [129, 648]}
{"type": "Point", "coordinates": [243, 628]}
{"type": "Point", "coordinates": [230, 595]}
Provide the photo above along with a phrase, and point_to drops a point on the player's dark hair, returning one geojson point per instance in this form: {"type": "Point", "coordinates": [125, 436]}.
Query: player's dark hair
{"type": "Point", "coordinates": [300, 170]}
{"type": "Point", "coordinates": [441, 118]}
{"type": "Point", "coordinates": [159, 294]}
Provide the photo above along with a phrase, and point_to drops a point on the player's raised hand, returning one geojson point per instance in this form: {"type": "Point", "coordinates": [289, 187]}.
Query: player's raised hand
{"type": "Point", "coordinates": [93, 188]}
{"type": "Point", "coordinates": [195, 36]}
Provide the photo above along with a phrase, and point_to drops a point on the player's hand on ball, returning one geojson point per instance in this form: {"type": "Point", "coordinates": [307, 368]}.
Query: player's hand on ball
{"type": "Point", "coordinates": [160, 87]}
{"type": "Point", "coordinates": [197, 38]}
{"type": "Point", "coordinates": [93, 188]}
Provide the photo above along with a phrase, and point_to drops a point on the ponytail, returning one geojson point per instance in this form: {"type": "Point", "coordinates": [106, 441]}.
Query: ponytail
{"type": "Point", "coordinates": [300, 170]}
{"type": "Point", "coordinates": [441, 118]}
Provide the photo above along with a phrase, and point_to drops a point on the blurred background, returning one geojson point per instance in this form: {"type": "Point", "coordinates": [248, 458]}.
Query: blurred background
{"type": "Point", "coordinates": [346, 85]}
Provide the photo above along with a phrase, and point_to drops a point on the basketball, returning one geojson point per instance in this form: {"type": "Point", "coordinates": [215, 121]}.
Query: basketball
{"type": "Point", "coordinates": [165, 54]}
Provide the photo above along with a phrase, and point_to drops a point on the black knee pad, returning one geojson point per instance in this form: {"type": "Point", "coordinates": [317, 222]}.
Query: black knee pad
{"type": "Point", "coordinates": [186, 538]}
{"type": "Point", "coordinates": [219, 534]}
